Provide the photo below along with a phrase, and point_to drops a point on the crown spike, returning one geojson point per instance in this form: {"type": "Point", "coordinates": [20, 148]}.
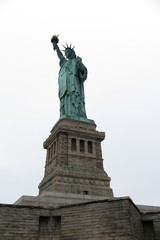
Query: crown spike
{"type": "Point", "coordinates": [67, 45]}
{"type": "Point", "coordinates": [63, 46]}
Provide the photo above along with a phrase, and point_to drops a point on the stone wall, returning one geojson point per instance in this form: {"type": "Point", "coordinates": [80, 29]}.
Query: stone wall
{"type": "Point", "coordinates": [114, 219]}
{"type": "Point", "coordinates": [111, 220]}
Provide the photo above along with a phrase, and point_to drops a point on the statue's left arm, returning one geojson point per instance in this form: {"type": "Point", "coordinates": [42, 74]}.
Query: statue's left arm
{"type": "Point", "coordinates": [82, 69]}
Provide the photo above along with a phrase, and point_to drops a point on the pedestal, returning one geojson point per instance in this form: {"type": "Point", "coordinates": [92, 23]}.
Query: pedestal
{"type": "Point", "coordinates": [74, 161]}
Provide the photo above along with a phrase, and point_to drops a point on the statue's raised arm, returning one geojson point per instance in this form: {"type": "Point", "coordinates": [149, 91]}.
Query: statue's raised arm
{"type": "Point", "coordinates": [55, 41]}
{"type": "Point", "coordinates": [72, 75]}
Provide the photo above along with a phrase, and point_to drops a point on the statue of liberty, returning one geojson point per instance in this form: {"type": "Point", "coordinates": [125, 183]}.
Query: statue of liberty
{"type": "Point", "coordinates": [72, 75]}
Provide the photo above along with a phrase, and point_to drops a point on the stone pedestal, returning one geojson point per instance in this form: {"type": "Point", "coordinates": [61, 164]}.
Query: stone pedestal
{"type": "Point", "coordinates": [74, 161]}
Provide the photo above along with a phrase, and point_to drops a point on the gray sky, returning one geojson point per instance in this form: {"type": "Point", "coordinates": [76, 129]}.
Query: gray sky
{"type": "Point", "coordinates": [119, 42]}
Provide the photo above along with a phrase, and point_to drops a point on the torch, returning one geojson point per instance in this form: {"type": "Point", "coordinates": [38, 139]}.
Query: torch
{"type": "Point", "coordinates": [55, 39]}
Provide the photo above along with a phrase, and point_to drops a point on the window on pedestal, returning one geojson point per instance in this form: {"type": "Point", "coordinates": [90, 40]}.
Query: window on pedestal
{"type": "Point", "coordinates": [54, 148]}
{"type": "Point", "coordinates": [51, 151]}
{"type": "Point", "coordinates": [85, 192]}
{"type": "Point", "coordinates": [73, 145]}
{"type": "Point", "coordinates": [90, 147]}
{"type": "Point", "coordinates": [48, 154]}
{"type": "Point", "coordinates": [81, 145]}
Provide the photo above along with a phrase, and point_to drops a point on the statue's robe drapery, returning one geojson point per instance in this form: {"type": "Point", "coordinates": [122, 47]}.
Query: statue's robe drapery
{"type": "Point", "coordinates": [71, 89]}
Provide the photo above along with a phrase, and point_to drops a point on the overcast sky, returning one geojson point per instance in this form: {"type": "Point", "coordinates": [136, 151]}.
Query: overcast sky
{"type": "Point", "coordinates": [119, 42]}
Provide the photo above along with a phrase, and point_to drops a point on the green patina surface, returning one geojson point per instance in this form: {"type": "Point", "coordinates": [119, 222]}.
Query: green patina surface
{"type": "Point", "coordinates": [72, 75]}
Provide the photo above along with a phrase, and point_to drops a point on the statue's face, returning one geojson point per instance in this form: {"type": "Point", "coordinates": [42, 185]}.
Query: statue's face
{"type": "Point", "coordinates": [69, 53]}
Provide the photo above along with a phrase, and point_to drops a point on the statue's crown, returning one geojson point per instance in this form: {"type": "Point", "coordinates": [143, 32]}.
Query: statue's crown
{"type": "Point", "coordinates": [68, 47]}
